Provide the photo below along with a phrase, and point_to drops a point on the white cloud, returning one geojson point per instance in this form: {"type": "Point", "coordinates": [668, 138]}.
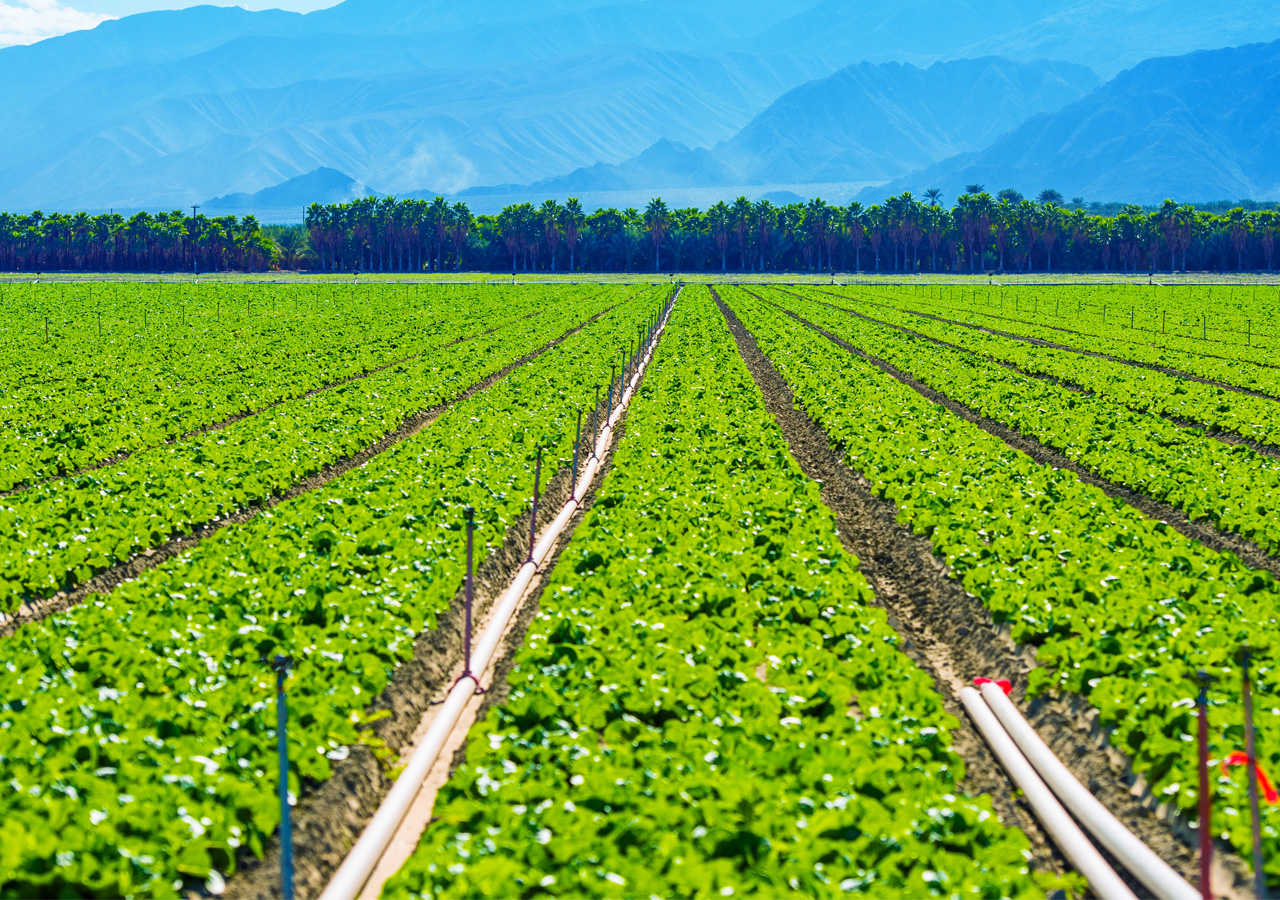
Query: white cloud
{"type": "Point", "coordinates": [28, 21]}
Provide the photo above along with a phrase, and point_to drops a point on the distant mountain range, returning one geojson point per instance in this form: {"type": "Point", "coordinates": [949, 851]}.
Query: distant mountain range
{"type": "Point", "coordinates": [162, 110]}
{"type": "Point", "coordinates": [864, 123]}
{"type": "Point", "coordinates": [321, 186]}
{"type": "Point", "coordinates": [1199, 126]}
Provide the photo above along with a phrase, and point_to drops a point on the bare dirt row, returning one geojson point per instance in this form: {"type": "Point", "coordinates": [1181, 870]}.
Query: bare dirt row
{"type": "Point", "coordinates": [1223, 436]}
{"type": "Point", "coordinates": [110, 579]}
{"type": "Point", "coordinates": [951, 635]}
{"type": "Point", "coordinates": [1197, 530]}
{"type": "Point", "coordinates": [330, 817]}
{"type": "Point", "coordinates": [241, 416]}
{"type": "Point", "coordinates": [1040, 342]}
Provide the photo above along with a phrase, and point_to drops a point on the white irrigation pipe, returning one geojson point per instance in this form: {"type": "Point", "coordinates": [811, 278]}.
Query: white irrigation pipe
{"type": "Point", "coordinates": [1127, 848]}
{"type": "Point", "coordinates": [355, 870]}
{"type": "Point", "coordinates": [1066, 834]}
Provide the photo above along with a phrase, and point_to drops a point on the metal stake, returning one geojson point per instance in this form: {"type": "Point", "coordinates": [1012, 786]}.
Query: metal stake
{"type": "Point", "coordinates": [577, 441]}
{"type": "Point", "coordinates": [608, 411]}
{"type": "Point", "coordinates": [533, 516]}
{"type": "Point", "coordinates": [466, 640]}
{"type": "Point", "coordinates": [1259, 876]}
{"type": "Point", "coordinates": [595, 410]}
{"type": "Point", "coordinates": [282, 742]}
{"type": "Point", "coordinates": [1206, 826]}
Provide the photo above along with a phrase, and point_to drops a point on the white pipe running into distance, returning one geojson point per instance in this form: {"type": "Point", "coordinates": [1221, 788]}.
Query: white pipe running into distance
{"type": "Point", "coordinates": [1066, 834]}
{"type": "Point", "coordinates": [1157, 875]}
{"type": "Point", "coordinates": [359, 864]}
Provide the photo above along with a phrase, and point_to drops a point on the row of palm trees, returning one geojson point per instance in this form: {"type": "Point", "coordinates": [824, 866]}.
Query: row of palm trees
{"type": "Point", "coordinates": [163, 242]}
{"type": "Point", "coordinates": [980, 232]}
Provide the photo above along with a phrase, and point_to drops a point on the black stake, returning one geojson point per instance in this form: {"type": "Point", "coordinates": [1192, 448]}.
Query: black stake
{"type": "Point", "coordinates": [533, 515]}
{"type": "Point", "coordinates": [577, 441]}
{"type": "Point", "coordinates": [466, 638]}
{"type": "Point", "coordinates": [594, 431]}
{"type": "Point", "coordinates": [609, 409]}
{"type": "Point", "coordinates": [1259, 876]}
{"type": "Point", "coordinates": [1206, 812]}
{"type": "Point", "coordinates": [282, 742]}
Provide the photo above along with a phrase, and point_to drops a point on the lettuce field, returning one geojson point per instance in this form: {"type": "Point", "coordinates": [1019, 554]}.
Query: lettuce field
{"type": "Point", "coordinates": [826, 510]}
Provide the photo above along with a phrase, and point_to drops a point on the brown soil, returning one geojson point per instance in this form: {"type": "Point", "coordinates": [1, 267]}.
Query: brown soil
{"type": "Point", "coordinates": [1039, 342]}
{"type": "Point", "coordinates": [951, 635]}
{"type": "Point", "coordinates": [239, 417]}
{"type": "Point", "coordinates": [110, 579]}
{"type": "Point", "coordinates": [330, 818]}
{"type": "Point", "coordinates": [1209, 431]}
{"type": "Point", "coordinates": [1200, 530]}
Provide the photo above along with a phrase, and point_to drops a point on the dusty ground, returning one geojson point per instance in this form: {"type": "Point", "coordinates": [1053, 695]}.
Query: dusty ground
{"type": "Point", "coordinates": [108, 580]}
{"type": "Point", "coordinates": [951, 636]}
{"type": "Point", "coordinates": [329, 819]}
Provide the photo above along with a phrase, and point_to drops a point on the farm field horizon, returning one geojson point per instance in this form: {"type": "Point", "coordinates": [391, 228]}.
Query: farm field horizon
{"type": "Point", "coordinates": [798, 517]}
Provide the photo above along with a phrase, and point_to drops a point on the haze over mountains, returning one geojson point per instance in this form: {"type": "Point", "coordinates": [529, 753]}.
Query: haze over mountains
{"type": "Point", "coordinates": [163, 110]}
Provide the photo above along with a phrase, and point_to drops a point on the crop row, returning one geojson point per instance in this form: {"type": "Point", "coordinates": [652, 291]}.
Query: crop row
{"type": "Point", "coordinates": [707, 704]}
{"type": "Point", "coordinates": [1235, 488]}
{"type": "Point", "coordinates": [1121, 609]}
{"type": "Point", "coordinates": [78, 406]}
{"type": "Point", "coordinates": [1049, 314]}
{"type": "Point", "coordinates": [56, 536]}
{"type": "Point", "coordinates": [1139, 389]}
{"type": "Point", "coordinates": [137, 730]}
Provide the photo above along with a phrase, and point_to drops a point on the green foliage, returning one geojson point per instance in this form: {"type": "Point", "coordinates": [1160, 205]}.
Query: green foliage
{"type": "Point", "coordinates": [137, 730]}
{"type": "Point", "coordinates": [1121, 609]}
{"type": "Point", "coordinates": [706, 704]}
{"type": "Point", "coordinates": [95, 519]}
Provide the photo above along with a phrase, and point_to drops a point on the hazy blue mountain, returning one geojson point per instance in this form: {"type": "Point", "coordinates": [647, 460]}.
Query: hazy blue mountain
{"type": "Point", "coordinates": [321, 186]}
{"type": "Point", "coordinates": [115, 144]}
{"type": "Point", "coordinates": [39, 70]}
{"type": "Point", "coordinates": [165, 109]}
{"type": "Point", "coordinates": [867, 122]}
{"type": "Point", "coordinates": [884, 30]}
{"type": "Point", "coordinates": [1202, 126]}
{"type": "Point", "coordinates": [1106, 35]}
{"type": "Point", "coordinates": [665, 164]}
{"type": "Point", "coordinates": [1111, 35]}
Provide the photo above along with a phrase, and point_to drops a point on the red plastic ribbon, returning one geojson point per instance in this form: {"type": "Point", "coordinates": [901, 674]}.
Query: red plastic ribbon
{"type": "Point", "coordinates": [1240, 758]}
{"type": "Point", "coordinates": [1005, 686]}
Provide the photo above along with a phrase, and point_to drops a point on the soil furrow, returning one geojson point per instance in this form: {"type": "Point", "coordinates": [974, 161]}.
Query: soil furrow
{"type": "Point", "coordinates": [950, 634]}
{"type": "Point", "coordinates": [1040, 342]}
{"type": "Point", "coordinates": [107, 581]}
{"type": "Point", "coordinates": [330, 817]}
{"type": "Point", "coordinates": [1209, 431]}
{"type": "Point", "coordinates": [240, 417]}
{"type": "Point", "coordinates": [1202, 531]}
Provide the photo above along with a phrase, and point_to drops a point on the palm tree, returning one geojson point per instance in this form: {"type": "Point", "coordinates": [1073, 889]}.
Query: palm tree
{"type": "Point", "coordinates": [855, 224]}
{"type": "Point", "coordinates": [765, 218]}
{"type": "Point", "coordinates": [934, 196]}
{"type": "Point", "coordinates": [816, 218]}
{"type": "Point", "coordinates": [719, 220]}
{"type": "Point", "coordinates": [1239, 225]}
{"type": "Point", "coordinates": [571, 219]}
{"type": "Point", "coordinates": [438, 217]}
{"type": "Point", "coordinates": [549, 215]}
{"type": "Point", "coordinates": [657, 219]}
{"type": "Point", "coordinates": [974, 189]}
{"type": "Point", "coordinates": [462, 221]}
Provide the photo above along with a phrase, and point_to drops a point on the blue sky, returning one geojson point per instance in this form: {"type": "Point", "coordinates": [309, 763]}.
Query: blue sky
{"type": "Point", "coordinates": [27, 21]}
